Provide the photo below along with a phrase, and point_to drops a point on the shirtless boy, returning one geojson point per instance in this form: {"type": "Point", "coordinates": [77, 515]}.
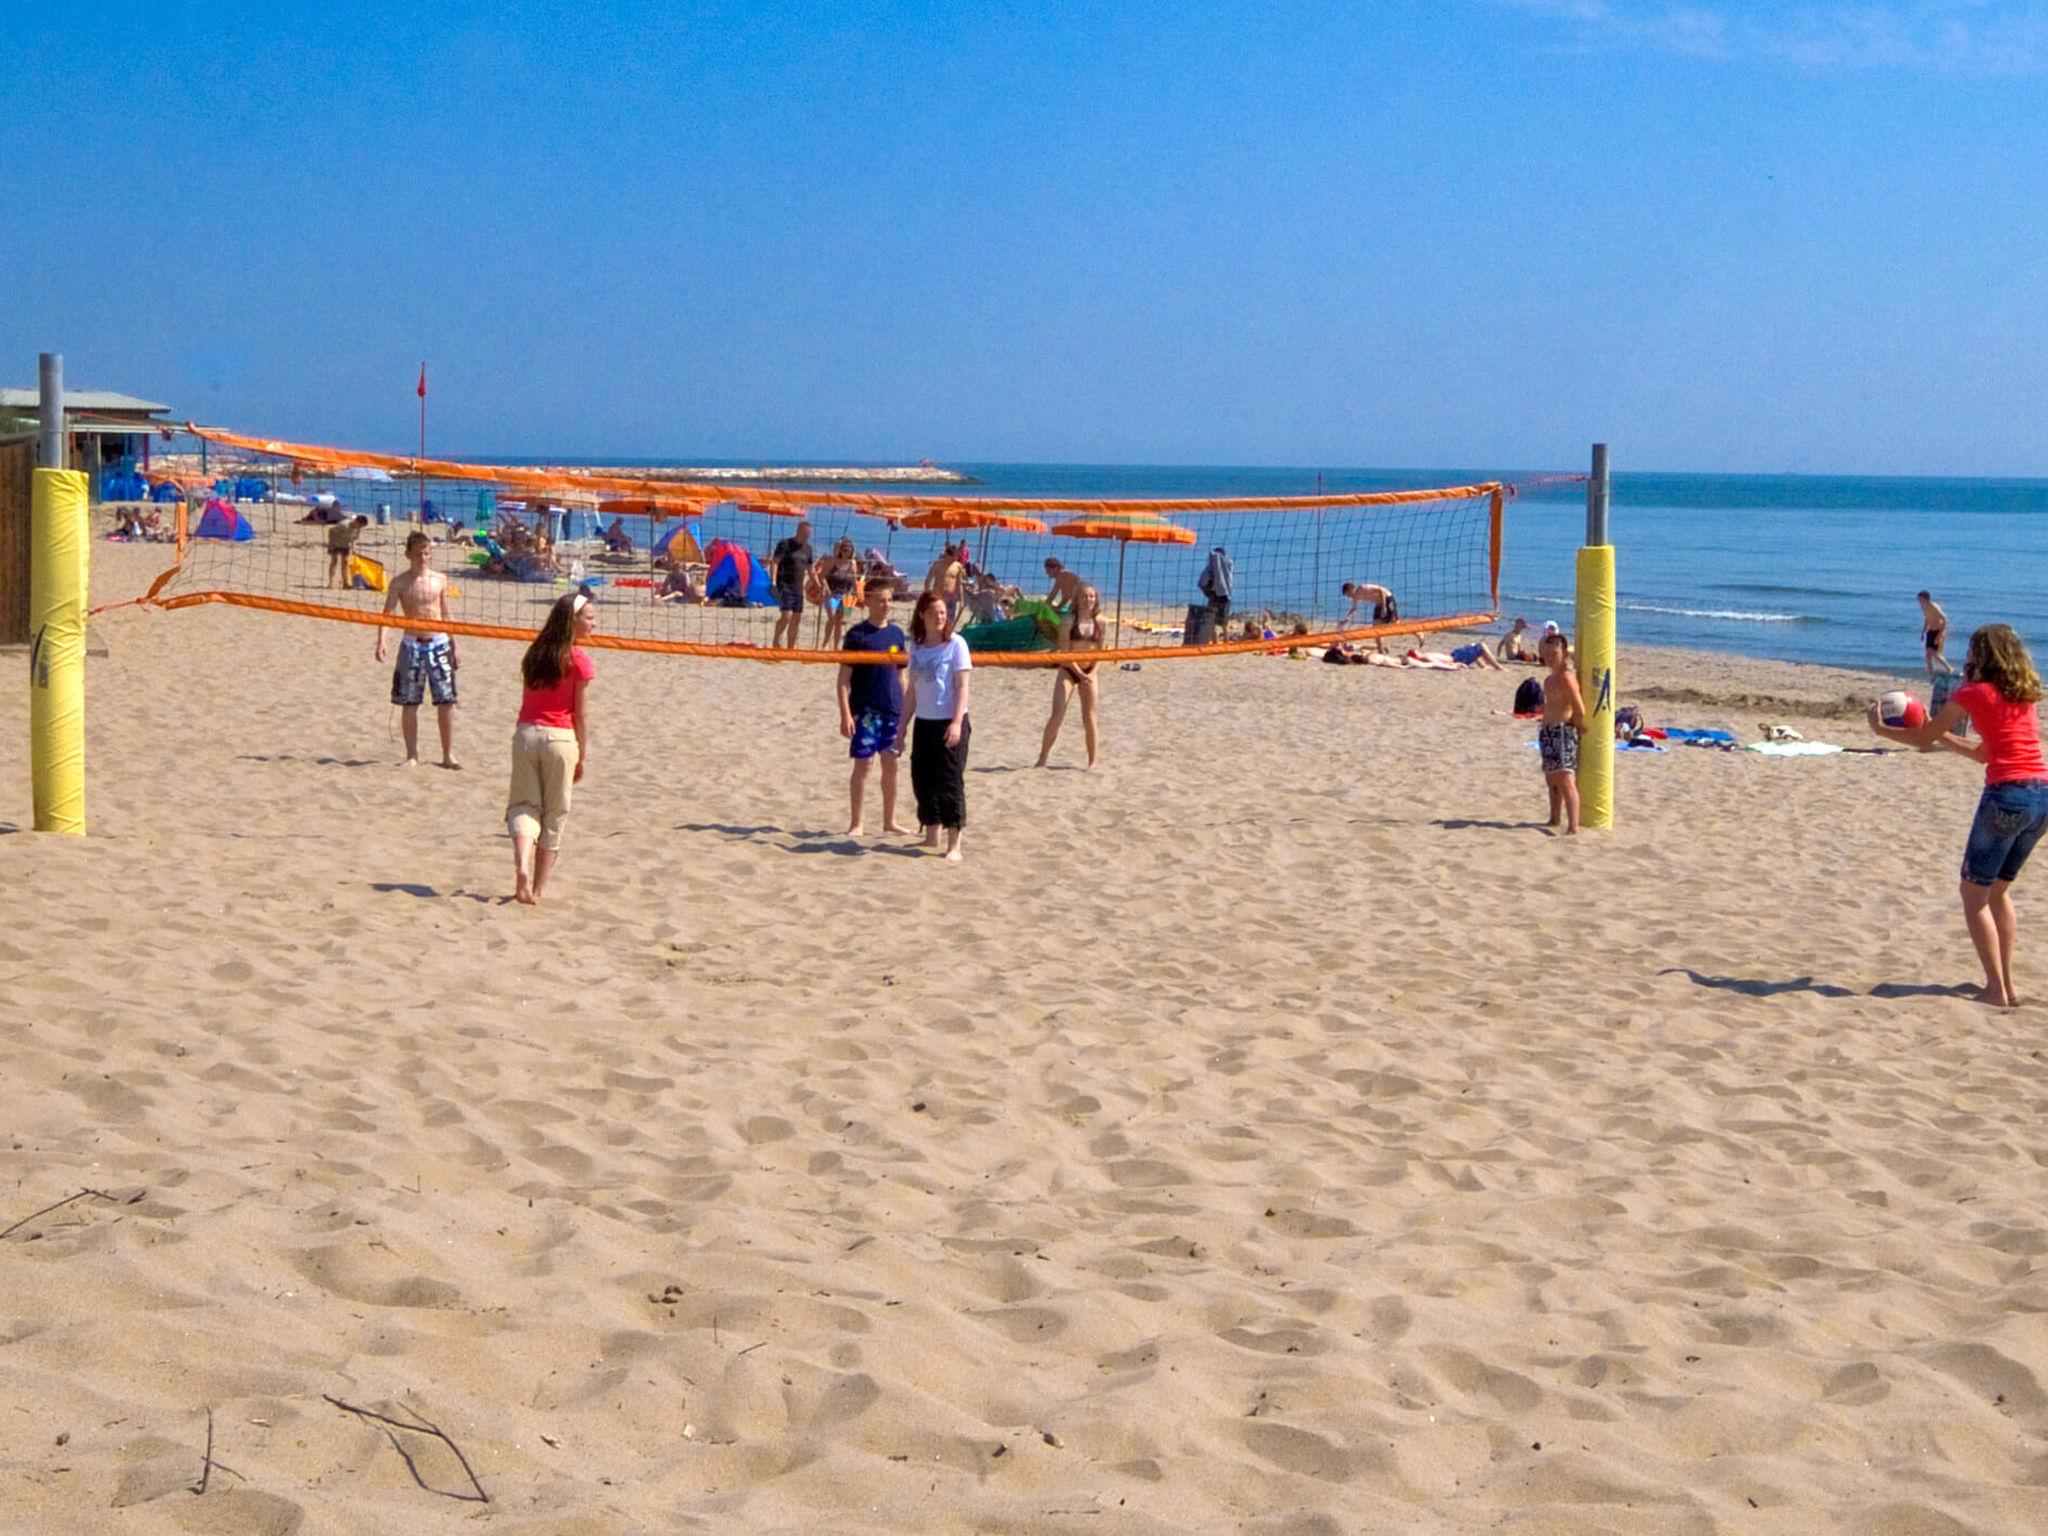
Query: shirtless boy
{"type": "Point", "coordinates": [947, 577]}
{"type": "Point", "coordinates": [1557, 738]}
{"type": "Point", "coordinates": [1933, 635]}
{"type": "Point", "coordinates": [426, 657]}
{"type": "Point", "coordinates": [1066, 586]}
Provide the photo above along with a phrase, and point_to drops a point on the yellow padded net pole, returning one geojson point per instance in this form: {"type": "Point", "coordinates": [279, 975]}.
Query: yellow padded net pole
{"type": "Point", "coordinates": [1596, 653]}
{"type": "Point", "coordinates": [57, 597]}
{"type": "Point", "coordinates": [1596, 680]}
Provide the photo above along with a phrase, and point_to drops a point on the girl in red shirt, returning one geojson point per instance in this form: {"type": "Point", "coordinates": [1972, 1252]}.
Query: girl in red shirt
{"type": "Point", "coordinates": [551, 743]}
{"type": "Point", "coordinates": [1999, 696]}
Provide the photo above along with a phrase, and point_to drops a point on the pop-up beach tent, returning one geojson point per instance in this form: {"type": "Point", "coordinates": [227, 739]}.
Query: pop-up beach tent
{"type": "Point", "coordinates": [734, 572]}
{"type": "Point", "coordinates": [221, 521]}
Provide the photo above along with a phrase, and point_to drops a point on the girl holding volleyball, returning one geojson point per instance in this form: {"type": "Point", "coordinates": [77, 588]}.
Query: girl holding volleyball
{"type": "Point", "coordinates": [1999, 697]}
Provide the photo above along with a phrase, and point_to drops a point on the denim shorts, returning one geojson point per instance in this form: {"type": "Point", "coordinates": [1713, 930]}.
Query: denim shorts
{"type": "Point", "coordinates": [2010, 820]}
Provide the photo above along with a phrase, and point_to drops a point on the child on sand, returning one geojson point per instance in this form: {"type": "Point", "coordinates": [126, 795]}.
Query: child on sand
{"type": "Point", "coordinates": [551, 744]}
{"type": "Point", "coordinates": [871, 705]}
{"type": "Point", "coordinates": [2000, 696]}
{"type": "Point", "coordinates": [937, 700]}
{"type": "Point", "coordinates": [1557, 738]}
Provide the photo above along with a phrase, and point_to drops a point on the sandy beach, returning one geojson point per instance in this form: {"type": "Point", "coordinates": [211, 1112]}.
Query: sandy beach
{"type": "Point", "coordinates": [1271, 1131]}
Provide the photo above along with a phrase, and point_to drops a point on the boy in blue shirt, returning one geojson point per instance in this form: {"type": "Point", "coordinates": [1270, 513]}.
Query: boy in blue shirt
{"type": "Point", "coordinates": [871, 704]}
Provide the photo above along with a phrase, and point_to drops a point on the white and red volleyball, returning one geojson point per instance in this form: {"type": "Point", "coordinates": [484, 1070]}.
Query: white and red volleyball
{"type": "Point", "coordinates": [1900, 708]}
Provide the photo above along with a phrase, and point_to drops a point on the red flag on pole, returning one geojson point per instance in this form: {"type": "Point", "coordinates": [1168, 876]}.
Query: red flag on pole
{"type": "Point", "coordinates": [423, 381]}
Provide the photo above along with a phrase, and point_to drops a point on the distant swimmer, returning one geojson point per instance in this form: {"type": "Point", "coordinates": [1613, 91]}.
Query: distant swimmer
{"type": "Point", "coordinates": [426, 656]}
{"type": "Point", "coordinates": [1934, 636]}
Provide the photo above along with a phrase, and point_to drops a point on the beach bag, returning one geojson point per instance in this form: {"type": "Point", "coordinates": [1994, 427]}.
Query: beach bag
{"type": "Point", "coordinates": [1529, 696]}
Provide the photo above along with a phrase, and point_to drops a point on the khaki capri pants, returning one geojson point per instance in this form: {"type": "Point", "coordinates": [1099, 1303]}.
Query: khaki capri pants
{"type": "Point", "coordinates": [543, 773]}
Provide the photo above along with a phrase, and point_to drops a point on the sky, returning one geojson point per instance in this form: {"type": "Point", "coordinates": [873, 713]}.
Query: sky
{"type": "Point", "coordinates": [1721, 236]}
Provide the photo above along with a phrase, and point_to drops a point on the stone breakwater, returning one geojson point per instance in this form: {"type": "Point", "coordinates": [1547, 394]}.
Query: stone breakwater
{"type": "Point", "coordinates": [768, 474]}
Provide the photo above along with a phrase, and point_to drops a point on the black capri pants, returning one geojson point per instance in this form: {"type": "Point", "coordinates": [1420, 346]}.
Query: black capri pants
{"type": "Point", "coordinates": [938, 773]}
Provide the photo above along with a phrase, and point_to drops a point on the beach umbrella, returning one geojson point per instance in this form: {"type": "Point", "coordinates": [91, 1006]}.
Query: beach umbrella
{"type": "Point", "coordinates": [1127, 528]}
{"type": "Point", "coordinates": [962, 518]}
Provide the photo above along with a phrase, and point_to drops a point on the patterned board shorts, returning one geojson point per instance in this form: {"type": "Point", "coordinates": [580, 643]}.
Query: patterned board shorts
{"type": "Point", "coordinates": [423, 665]}
{"type": "Point", "coordinates": [874, 732]}
{"type": "Point", "coordinates": [1559, 746]}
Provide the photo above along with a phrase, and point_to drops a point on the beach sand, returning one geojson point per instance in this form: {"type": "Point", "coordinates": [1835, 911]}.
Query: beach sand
{"type": "Point", "coordinates": [1272, 1131]}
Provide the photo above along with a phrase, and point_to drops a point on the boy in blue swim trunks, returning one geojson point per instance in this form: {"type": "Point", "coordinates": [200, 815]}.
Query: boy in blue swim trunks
{"type": "Point", "coordinates": [426, 655]}
{"type": "Point", "coordinates": [871, 704]}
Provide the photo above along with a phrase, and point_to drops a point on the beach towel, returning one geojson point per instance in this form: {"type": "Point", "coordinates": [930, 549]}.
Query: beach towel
{"type": "Point", "coordinates": [1688, 737]}
{"type": "Point", "coordinates": [1794, 748]}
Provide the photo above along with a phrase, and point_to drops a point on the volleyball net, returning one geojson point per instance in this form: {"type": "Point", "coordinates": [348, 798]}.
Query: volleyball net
{"type": "Point", "coordinates": [706, 569]}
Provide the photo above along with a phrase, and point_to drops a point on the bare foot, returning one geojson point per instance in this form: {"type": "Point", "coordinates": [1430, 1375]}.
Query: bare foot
{"type": "Point", "coordinates": [932, 840]}
{"type": "Point", "coordinates": [524, 896]}
{"type": "Point", "coordinates": [1993, 997]}
{"type": "Point", "coordinates": [890, 826]}
{"type": "Point", "coordinates": [449, 762]}
{"type": "Point", "coordinates": [858, 829]}
{"type": "Point", "coordinates": [412, 762]}
{"type": "Point", "coordinates": [953, 857]}
{"type": "Point", "coordinates": [1040, 763]}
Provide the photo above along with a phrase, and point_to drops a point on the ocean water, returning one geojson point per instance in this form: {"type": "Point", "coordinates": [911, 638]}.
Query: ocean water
{"type": "Point", "coordinates": [1789, 567]}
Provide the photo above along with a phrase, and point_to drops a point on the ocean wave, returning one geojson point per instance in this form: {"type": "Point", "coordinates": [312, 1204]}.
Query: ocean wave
{"type": "Point", "coordinates": [1724, 615]}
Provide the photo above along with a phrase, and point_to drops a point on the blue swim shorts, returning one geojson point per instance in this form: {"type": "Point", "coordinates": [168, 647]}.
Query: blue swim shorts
{"type": "Point", "coordinates": [874, 732]}
{"type": "Point", "coordinates": [2010, 820]}
{"type": "Point", "coordinates": [424, 666]}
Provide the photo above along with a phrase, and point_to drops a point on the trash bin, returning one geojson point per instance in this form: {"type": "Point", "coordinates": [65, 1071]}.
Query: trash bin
{"type": "Point", "coordinates": [1200, 628]}
{"type": "Point", "coordinates": [383, 513]}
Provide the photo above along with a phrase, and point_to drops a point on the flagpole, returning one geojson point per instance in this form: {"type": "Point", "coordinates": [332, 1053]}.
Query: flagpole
{"type": "Point", "coordinates": [420, 515]}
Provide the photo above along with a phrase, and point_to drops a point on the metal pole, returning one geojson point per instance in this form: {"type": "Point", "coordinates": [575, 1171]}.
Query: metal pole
{"type": "Point", "coordinates": [51, 447]}
{"type": "Point", "coordinates": [1596, 497]}
{"type": "Point", "coordinates": [1122, 548]}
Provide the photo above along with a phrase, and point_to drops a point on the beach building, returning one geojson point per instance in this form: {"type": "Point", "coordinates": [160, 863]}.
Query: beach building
{"type": "Point", "coordinates": [108, 434]}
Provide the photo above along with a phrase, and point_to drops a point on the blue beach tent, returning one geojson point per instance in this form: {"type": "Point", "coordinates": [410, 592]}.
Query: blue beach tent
{"type": "Point", "coordinates": [221, 521]}
{"type": "Point", "coordinates": [735, 576]}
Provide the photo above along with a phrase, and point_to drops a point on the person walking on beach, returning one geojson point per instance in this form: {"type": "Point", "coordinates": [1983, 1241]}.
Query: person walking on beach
{"type": "Point", "coordinates": [1934, 636]}
{"type": "Point", "coordinates": [341, 543]}
{"type": "Point", "coordinates": [838, 574]}
{"type": "Point", "coordinates": [871, 706]}
{"type": "Point", "coordinates": [791, 565]}
{"type": "Point", "coordinates": [936, 700]}
{"type": "Point", "coordinates": [1557, 738]}
{"type": "Point", "coordinates": [1082, 631]}
{"type": "Point", "coordinates": [551, 743]}
{"type": "Point", "coordinates": [426, 656]}
{"type": "Point", "coordinates": [1216, 583]}
{"type": "Point", "coordinates": [2000, 697]}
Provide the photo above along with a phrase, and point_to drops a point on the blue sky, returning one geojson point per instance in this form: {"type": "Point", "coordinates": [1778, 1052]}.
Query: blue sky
{"type": "Point", "coordinates": [1415, 232]}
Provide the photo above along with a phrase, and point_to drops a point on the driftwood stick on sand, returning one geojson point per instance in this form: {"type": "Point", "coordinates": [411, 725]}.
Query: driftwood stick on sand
{"type": "Point", "coordinates": [421, 1426]}
{"type": "Point", "coordinates": [56, 1205]}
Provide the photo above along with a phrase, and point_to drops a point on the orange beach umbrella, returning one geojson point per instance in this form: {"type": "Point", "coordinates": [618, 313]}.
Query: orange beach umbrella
{"type": "Point", "coordinates": [1127, 528]}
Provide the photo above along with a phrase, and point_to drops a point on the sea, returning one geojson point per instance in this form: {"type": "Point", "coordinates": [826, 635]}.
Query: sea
{"type": "Point", "coordinates": [1806, 568]}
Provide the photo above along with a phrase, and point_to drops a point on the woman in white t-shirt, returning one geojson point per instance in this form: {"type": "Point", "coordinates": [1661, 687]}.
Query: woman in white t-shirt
{"type": "Point", "coordinates": [935, 699]}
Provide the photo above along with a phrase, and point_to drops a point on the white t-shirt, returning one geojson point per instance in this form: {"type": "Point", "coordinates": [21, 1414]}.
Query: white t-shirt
{"type": "Point", "coordinates": [935, 670]}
